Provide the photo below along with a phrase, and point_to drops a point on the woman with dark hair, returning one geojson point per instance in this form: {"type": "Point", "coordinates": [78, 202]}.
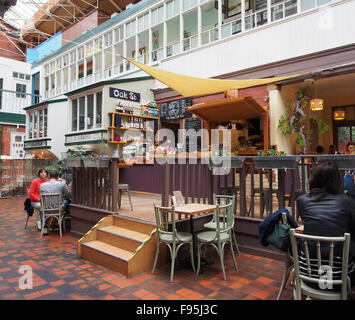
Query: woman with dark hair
{"type": "Point", "coordinates": [327, 211]}
{"type": "Point", "coordinates": [33, 193]}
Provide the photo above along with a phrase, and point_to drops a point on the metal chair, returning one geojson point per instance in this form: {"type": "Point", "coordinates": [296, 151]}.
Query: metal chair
{"type": "Point", "coordinates": [173, 239]}
{"type": "Point", "coordinates": [220, 236]}
{"type": "Point", "coordinates": [51, 204]}
{"type": "Point", "coordinates": [326, 272]}
{"type": "Point", "coordinates": [222, 199]}
{"type": "Point", "coordinates": [120, 188]}
{"type": "Point", "coordinates": [288, 262]}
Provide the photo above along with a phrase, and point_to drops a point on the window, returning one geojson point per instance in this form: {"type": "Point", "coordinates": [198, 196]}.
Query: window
{"type": "Point", "coordinates": [81, 53]}
{"type": "Point", "coordinates": [20, 90]}
{"type": "Point", "coordinates": [86, 112]}
{"type": "Point", "coordinates": [72, 56]}
{"type": "Point", "coordinates": [74, 116]}
{"type": "Point", "coordinates": [157, 15]}
{"type": "Point", "coordinates": [131, 28]}
{"type": "Point", "coordinates": [15, 74]}
{"type": "Point", "coordinates": [143, 22]}
{"type": "Point", "coordinates": [98, 110]}
{"type": "Point", "coordinates": [37, 123]}
{"type": "Point", "coordinates": [16, 146]}
{"type": "Point", "coordinates": [108, 39]}
{"type": "Point", "coordinates": [119, 34]}
{"type": "Point", "coordinates": [90, 111]}
{"type": "Point", "coordinates": [81, 113]}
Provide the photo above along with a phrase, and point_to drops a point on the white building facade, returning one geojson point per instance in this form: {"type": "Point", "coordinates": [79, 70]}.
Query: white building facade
{"type": "Point", "coordinates": [227, 39]}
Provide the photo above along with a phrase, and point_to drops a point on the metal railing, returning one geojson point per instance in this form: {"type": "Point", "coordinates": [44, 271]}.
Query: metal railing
{"type": "Point", "coordinates": [15, 101]}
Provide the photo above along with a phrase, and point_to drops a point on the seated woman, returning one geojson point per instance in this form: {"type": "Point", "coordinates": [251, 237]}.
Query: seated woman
{"type": "Point", "coordinates": [327, 211]}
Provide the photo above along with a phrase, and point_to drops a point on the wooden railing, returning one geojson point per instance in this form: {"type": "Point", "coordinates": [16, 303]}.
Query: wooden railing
{"type": "Point", "coordinates": [260, 189]}
{"type": "Point", "coordinates": [95, 187]}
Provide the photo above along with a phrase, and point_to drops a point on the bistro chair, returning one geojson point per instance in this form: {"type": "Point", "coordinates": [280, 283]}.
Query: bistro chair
{"type": "Point", "coordinates": [51, 204]}
{"type": "Point", "coordinates": [121, 187]}
{"type": "Point", "coordinates": [172, 238]}
{"type": "Point", "coordinates": [288, 262]}
{"type": "Point", "coordinates": [219, 236]}
{"type": "Point", "coordinates": [325, 273]}
{"type": "Point", "coordinates": [222, 199]}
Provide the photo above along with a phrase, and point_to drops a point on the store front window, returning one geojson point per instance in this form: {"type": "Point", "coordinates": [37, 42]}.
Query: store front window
{"type": "Point", "coordinates": [86, 112]}
{"type": "Point", "coordinates": [37, 124]}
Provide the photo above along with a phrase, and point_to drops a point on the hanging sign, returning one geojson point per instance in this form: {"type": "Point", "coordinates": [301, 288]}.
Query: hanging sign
{"type": "Point", "coordinates": [124, 94]}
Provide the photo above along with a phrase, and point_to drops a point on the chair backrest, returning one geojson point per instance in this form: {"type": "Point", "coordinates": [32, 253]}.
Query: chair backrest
{"type": "Point", "coordinates": [222, 199]}
{"type": "Point", "coordinates": [51, 202]}
{"type": "Point", "coordinates": [162, 220]}
{"type": "Point", "coordinates": [226, 223]}
{"type": "Point", "coordinates": [316, 260]}
{"type": "Point", "coordinates": [178, 198]}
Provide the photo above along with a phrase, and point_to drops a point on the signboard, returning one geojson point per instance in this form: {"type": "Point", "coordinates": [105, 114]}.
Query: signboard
{"type": "Point", "coordinates": [85, 137]}
{"type": "Point", "coordinates": [124, 94]}
{"type": "Point", "coordinates": [35, 144]}
{"type": "Point", "coordinates": [191, 144]}
{"type": "Point", "coordinates": [172, 110]}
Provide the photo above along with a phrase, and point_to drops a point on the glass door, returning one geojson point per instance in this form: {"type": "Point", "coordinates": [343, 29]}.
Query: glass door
{"type": "Point", "coordinates": [343, 133]}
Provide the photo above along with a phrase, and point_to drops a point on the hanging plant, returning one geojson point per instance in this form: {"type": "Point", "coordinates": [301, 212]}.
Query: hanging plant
{"type": "Point", "coordinates": [293, 122]}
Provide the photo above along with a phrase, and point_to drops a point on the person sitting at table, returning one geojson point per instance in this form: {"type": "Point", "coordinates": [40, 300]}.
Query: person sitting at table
{"type": "Point", "coordinates": [319, 150]}
{"type": "Point", "coordinates": [327, 211]}
{"type": "Point", "coordinates": [33, 193]}
{"type": "Point", "coordinates": [333, 149]}
{"type": "Point", "coordinates": [350, 147]}
{"type": "Point", "coordinates": [242, 146]}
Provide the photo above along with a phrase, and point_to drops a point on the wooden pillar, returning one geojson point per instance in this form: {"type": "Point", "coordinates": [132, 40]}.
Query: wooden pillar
{"type": "Point", "coordinates": [114, 181]}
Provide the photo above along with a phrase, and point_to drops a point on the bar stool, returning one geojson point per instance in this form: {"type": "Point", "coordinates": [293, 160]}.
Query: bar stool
{"type": "Point", "coordinates": [120, 187]}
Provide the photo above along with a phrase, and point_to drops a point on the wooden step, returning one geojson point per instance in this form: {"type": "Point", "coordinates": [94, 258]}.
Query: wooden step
{"type": "Point", "coordinates": [122, 238]}
{"type": "Point", "coordinates": [132, 224]}
{"type": "Point", "coordinates": [109, 249]}
{"type": "Point", "coordinates": [108, 256]}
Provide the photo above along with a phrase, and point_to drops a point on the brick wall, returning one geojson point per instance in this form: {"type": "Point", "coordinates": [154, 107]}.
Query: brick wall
{"type": "Point", "coordinates": [9, 50]}
{"type": "Point", "coordinates": [92, 20]}
{"type": "Point", "coordinates": [6, 137]}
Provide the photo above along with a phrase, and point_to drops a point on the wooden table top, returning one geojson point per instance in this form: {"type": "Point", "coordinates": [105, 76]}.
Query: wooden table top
{"type": "Point", "coordinates": [299, 229]}
{"type": "Point", "coordinates": [194, 208]}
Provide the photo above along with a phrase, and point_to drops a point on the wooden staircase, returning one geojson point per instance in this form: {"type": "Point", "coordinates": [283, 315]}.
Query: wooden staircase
{"type": "Point", "coordinates": [121, 244]}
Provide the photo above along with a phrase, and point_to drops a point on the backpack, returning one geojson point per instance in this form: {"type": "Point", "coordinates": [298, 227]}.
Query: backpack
{"type": "Point", "coordinates": [349, 181]}
{"type": "Point", "coordinates": [28, 207]}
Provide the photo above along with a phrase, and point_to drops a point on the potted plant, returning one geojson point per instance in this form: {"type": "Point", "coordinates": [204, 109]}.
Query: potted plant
{"type": "Point", "coordinates": [273, 159]}
{"type": "Point", "coordinates": [293, 122]}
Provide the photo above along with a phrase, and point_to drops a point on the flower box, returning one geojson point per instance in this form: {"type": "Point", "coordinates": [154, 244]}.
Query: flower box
{"type": "Point", "coordinates": [72, 162]}
{"type": "Point", "coordinates": [275, 162]}
{"type": "Point", "coordinates": [344, 161]}
{"type": "Point", "coordinates": [226, 162]}
{"type": "Point", "coordinates": [96, 162]}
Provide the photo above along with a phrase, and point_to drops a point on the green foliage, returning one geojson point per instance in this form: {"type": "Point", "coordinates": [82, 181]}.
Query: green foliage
{"type": "Point", "coordinates": [59, 167]}
{"type": "Point", "coordinates": [80, 152]}
{"type": "Point", "coordinates": [271, 152]}
{"type": "Point", "coordinates": [293, 122]}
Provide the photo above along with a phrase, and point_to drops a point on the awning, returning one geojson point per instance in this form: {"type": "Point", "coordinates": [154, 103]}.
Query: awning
{"type": "Point", "coordinates": [191, 86]}
{"type": "Point", "coordinates": [229, 109]}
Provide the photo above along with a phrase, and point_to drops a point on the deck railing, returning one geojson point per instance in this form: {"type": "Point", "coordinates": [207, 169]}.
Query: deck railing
{"type": "Point", "coordinates": [261, 184]}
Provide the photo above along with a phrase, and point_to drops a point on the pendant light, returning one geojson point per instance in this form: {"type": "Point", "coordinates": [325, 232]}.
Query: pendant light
{"type": "Point", "coordinates": [316, 104]}
{"type": "Point", "coordinates": [339, 114]}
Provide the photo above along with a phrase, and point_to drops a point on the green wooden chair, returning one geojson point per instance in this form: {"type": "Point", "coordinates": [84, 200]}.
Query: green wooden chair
{"type": "Point", "coordinates": [220, 236]}
{"type": "Point", "coordinates": [222, 199]}
{"type": "Point", "coordinates": [173, 239]}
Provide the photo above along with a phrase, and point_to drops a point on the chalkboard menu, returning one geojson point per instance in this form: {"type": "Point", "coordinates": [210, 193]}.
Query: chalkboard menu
{"type": "Point", "coordinates": [193, 123]}
{"type": "Point", "coordinates": [172, 110]}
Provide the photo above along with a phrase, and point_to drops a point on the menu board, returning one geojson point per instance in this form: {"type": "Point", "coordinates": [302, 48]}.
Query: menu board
{"type": "Point", "coordinates": [192, 123]}
{"type": "Point", "coordinates": [172, 110]}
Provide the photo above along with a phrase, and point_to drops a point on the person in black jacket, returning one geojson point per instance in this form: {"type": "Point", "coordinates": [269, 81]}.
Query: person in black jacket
{"type": "Point", "coordinates": [327, 211]}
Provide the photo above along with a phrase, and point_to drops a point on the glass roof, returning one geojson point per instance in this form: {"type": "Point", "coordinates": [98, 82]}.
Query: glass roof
{"type": "Point", "coordinates": [17, 15]}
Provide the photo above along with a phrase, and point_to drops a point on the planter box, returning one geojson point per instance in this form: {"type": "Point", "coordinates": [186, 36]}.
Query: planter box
{"type": "Point", "coordinates": [344, 161]}
{"type": "Point", "coordinates": [96, 162]}
{"type": "Point", "coordinates": [275, 162]}
{"type": "Point", "coordinates": [72, 162]}
{"type": "Point", "coordinates": [235, 162]}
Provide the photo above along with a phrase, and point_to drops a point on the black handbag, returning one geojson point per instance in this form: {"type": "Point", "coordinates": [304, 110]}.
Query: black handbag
{"type": "Point", "coordinates": [280, 236]}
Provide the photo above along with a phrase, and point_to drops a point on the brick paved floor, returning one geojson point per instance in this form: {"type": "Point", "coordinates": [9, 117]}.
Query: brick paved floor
{"type": "Point", "coordinates": [59, 275]}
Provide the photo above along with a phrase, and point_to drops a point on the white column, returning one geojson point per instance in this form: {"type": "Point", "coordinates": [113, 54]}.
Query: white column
{"type": "Point", "coordinates": [243, 15]}
{"type": "Point", "coordinates": [199, 26]}
{"type": "Point", "coordinates": [268, 11]}
{"type": "Point", "coordinates": [220, 19]}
